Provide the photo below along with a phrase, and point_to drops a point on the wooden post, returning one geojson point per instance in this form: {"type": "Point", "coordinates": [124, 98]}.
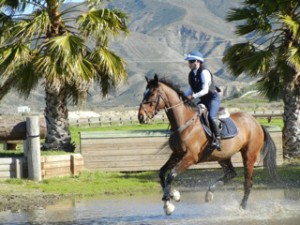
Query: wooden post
{"type": "Point", "coordinates": [19, 168]}
{"type": "Point", "coordinates": [34, 152]}
{"type": "Point", "coordinates": [25, 149]}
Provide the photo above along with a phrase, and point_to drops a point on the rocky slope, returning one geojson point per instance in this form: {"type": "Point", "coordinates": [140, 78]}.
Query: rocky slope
{"type": "Point", "coordinates": [161, 32]}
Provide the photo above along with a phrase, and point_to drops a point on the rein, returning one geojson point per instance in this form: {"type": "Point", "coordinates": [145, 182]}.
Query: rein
{"type": "Point", "coordinates": [173, 106]}
{"type": "Point", "coordinates": [186, 125]}
{"type": "Point", "coordinates": [182, 127]}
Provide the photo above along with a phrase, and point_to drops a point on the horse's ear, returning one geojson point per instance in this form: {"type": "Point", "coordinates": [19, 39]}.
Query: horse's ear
{"type": "Point", "coordinates": [156, 78]}
{"type": "Point", "coordinates": [147, 79]}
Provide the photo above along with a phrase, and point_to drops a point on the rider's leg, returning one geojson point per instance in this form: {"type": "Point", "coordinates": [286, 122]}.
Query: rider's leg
{"type": "Point", "coordinates": [216, 143]}
{"type": "Point", "coordinates": [213, 108]}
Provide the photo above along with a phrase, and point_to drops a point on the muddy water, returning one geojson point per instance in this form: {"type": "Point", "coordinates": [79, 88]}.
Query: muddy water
{"type": "Point", "coordinates": [268, 207]}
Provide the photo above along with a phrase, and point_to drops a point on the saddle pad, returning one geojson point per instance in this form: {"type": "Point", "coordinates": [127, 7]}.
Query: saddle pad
{"type": "Point", "coordinates": [228, 127]}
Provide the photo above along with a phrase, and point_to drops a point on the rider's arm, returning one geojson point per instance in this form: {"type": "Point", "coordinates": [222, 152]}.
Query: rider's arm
{"type": "Point", "coordinates": [206, 81]}
{"type": "Point", "coordinates": [188, 92]}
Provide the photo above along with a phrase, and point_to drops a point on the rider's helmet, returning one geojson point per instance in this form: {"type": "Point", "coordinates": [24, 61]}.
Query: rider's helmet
{"type": "Point", "coordinates": [195, 55]}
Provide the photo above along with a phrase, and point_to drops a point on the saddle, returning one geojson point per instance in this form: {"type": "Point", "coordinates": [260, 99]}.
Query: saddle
{"type": "Point", "coordinates": [227, 126]}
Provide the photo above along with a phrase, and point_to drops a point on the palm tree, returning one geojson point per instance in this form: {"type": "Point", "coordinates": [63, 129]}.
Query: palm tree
{"type": "Point", "coordinates": [64, 49]}
{"type": "Point", "coordinates": [271, 53]}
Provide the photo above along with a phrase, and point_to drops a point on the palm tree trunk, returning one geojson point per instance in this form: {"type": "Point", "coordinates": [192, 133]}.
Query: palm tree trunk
{"type": "Point", "coordinates": [56, 114]}
{"type": "Point", "coordinates": [291, 119]}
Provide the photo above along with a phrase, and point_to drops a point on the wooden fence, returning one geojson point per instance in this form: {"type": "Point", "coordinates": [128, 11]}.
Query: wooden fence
{"type": "Point", "coordinates": [140, 150]}
{"type": "Point", "coordinates": [12, 167]}
{"type": "Point", "coordinates": [51, 166]}
{"type": "Point", "coordinates": [159, 119]}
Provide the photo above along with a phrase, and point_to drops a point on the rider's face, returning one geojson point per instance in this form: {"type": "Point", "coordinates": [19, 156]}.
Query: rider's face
{"type": "Point", "coordinates": [193, 64]}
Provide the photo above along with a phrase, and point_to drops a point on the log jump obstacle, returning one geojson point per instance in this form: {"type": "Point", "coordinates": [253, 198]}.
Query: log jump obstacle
{"type": "Point", "coordinates": [33, 165]}
{"type": "Point", "coordinates": [140, 150]}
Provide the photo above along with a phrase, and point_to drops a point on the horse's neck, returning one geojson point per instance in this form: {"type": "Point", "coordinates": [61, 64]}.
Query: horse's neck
{"type": "Point", "coordinates": [177, 113]}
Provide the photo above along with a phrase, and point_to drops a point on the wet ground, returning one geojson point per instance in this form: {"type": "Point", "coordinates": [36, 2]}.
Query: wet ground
{"type": "Point", "coordinates": [268, 207]}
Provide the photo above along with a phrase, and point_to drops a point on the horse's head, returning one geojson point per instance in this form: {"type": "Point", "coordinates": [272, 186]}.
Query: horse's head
{"type": "Point", "coordinates": [152, 101]}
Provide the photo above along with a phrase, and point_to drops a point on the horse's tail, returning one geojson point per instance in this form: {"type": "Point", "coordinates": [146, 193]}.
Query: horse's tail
{"type": "Point", "coordinates": [269, 155]}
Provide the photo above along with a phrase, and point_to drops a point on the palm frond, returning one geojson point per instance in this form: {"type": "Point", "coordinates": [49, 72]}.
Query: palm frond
{"type": "Point", "coordinates": [64, 46]}
{"type": "Point", "coordinates": [233, 56]}
{"type": "Point", "coordinates": [292, 24]}
{"type": "Point", "coordinates": [30, 27]}
{"type": "Point", "coordinates": [84, 69]}
{"type": "Point", "coordinates": [26, 79]}
{"type": "Point", "coordinates": [6, 85]}
{"type": "Point", "coordinates": [43, 65]}
{"type": "Point", "coordinates": [110, 68]}
{"type": "Point", "coordinates": [109, 63]}
{"type": "Point", "coordinates": [102, 21]}
{"type": "Point", "coordinates": [62, 52]}
{"type": "Point", "coordinates": [238, 14]}
{"type": "Point", "coordinates": [271, 86]}
{"type": "Point", "coordinates": [294, 57]}
{"type": "Point", "coordinates": [11, 56]}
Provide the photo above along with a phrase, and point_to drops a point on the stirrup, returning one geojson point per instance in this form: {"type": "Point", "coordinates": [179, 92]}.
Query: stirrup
{"type": "Point", "coordinates": [216, 145]}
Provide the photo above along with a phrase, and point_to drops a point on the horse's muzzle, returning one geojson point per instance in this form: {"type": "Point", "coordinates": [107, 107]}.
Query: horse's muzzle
{"type": "Point", "coordinates": [141, 118]}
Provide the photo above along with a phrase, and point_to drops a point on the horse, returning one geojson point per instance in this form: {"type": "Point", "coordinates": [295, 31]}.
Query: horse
{"type": "Point", "coordinates": [189, 141]}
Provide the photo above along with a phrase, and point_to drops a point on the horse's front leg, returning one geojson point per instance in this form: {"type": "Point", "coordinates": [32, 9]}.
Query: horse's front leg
{"type": "Point", "coordinates": [186, 161]}
{"type": "Point", "coordinates": [229, 173]}
{"type": "Point", "coordinates": [167, 175]}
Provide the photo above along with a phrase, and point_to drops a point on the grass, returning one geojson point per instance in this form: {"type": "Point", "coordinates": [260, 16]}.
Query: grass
{"type": "Point", "coordinates": [96, 183]}
{"type": "Point", "coordinates": [89, 184]}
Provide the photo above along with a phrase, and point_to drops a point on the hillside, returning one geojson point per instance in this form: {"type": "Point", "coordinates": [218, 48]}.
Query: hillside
{"type": "Point", "coordinates": [161, 32]}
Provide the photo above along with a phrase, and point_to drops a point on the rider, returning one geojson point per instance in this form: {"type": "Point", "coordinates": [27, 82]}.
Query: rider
{"type": "Point", "coordinates": [202, 86]}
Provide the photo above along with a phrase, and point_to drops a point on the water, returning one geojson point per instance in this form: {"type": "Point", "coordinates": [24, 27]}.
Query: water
{"type": "Point", "coordinates": [265, 207]}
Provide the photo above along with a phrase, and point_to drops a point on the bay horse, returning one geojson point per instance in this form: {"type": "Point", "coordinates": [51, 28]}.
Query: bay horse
{"type": "Point", "coordinates": [188, 141]}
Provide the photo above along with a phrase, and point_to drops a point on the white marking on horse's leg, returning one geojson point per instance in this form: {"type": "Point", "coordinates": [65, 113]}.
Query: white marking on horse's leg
{"type": "Point", "coordinates": [168, 208]}
{"type": "Point", "coordinates": [175, 195]}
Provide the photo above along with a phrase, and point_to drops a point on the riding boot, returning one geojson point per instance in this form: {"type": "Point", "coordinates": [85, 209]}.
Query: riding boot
{"type": "Point", "coordinates": [216, 143]}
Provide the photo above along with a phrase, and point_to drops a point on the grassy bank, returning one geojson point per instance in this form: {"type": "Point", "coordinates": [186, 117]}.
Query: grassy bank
{"type": "Point", "coordinates": [87, 184]}
{"type": "Point", "coordinates": [101, 183]}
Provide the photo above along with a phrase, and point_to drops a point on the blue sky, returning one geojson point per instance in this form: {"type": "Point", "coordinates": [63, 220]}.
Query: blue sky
{"type": "Point", "coordinates": [29, 9]}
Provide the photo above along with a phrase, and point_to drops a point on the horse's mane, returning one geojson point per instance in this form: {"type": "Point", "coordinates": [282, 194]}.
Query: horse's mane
{"type": "Point", "coordinates": [180, 93]}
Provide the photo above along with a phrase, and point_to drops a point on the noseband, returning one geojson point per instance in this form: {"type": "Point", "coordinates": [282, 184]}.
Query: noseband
{"type": "Point", "coordinates": [156, 107]}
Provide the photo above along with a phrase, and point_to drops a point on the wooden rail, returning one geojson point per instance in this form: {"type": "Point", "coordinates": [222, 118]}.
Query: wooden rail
{"type": "Point", "coordinates": [51, 166]}
{"type": "Point", "coordinates": [140, 150]}
{"type": "Point", "coordinates": [160, 119]}
{"type": "Point", "coordinates": [268, 116]}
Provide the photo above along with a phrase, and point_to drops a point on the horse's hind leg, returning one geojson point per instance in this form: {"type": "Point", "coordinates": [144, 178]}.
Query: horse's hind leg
{"type": "Point", "coordinates": [248, 174]}
{"type": "Point", "coordinates": [229, 173]}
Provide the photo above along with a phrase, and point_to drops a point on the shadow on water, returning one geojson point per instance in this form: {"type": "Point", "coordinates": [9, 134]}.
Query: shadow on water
{"type": "Point", "coordinates": [269, 207]}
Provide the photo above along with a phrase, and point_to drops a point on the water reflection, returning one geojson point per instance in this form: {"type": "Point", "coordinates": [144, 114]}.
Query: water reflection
{"type": "Point", "coordinates": [269, 207]}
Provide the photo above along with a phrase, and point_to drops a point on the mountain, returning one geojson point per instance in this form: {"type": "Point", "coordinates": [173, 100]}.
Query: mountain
{"type": "Point", "coordinates": [161, 32]}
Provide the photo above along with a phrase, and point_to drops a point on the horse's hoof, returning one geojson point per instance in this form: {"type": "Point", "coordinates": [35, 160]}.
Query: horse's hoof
{"type": "Point", "coordinates": [169, 208]}
{"type": "Point", "coordinates": [243, 206]}
{"type": "Point", "coordinates": [175, 195]}
{"type": "Point", "coordinates": [209, 196]}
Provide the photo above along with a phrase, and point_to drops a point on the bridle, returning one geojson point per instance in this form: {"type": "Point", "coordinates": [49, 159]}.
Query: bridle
{"type": "Point", "coordinates": [156, 109]}
{"type": "Point", "coordinates": [157, 101]}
